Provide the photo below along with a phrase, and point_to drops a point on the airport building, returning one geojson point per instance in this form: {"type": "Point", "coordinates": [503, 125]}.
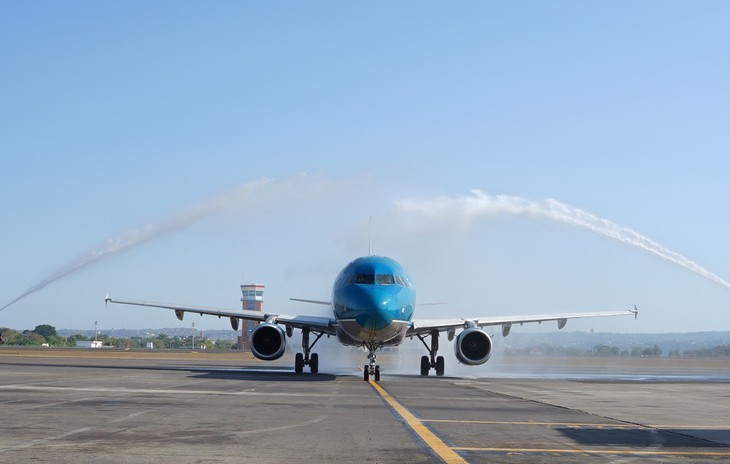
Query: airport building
{"type": "Point", "coordinates": [252, 299]}
{"type": "Point", "coordinates": [89, 343]}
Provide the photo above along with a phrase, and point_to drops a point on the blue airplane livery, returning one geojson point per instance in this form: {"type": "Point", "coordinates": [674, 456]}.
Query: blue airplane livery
{"type": "Point", "coordinates": [373, 306]}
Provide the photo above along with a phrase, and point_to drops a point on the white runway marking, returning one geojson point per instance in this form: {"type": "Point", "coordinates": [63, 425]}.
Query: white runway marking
{"type": "Point", "coordinates": [283, 427]}
{"type": "Point", "coordinates": [59, 403]}
{"type": "Point", "coordinates": [43, 441]}
{"type": "Point", "coordinates": [153, 391]}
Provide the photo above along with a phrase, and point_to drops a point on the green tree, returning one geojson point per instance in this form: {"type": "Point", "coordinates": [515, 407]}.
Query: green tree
{"type": "Point", "coordinates": [71, 340]}
{"type": "Point", "coordinates": [11, 336]}
{"type": "Point", "coordinates": [162, 341]}
{"type": "Point", "coordinates": [30, 338]}
{"type": "Point", "coordinates": [653, 351]}
{"type": "Point", "coordinates": [222, 344]}
{"type": "Point", "coordinates": [45, 330]}
{"type": "Point", "coordinates": [606, 350]}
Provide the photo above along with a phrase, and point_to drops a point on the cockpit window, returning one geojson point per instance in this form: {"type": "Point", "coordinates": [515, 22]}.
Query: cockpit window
{"type": "Point", "coordinates": [403, 281]}
{"type": "Point", "coordinates": [385, 279]}
{"type": "Point", "coordinates": [364, 279]}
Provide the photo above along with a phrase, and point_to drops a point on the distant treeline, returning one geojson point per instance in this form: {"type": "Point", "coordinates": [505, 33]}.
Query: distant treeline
{"type": "Point", "coordinates": [608, 350]}
{"type": "Point", "coordinates": [46, 335]}
{"type": "Point", "coordinates": [716, 352]}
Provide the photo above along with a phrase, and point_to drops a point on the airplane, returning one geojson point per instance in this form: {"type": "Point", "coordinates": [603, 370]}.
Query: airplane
{"type": "Point", "coordinates": [373, 306]}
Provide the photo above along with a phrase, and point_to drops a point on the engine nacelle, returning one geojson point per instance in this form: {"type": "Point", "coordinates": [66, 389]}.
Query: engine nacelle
{"type": "Point", "coordinates": [268, 341]}
{"type": "Point", "coordinates": [473, 346]}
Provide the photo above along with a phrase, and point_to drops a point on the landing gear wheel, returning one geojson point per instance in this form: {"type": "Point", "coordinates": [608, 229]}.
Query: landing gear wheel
{"type": "Point", "coordinates": [427, 362]}
{"type": "Point", "coordinates": [308, 358]}
{"type": "Point", "coordinates": [366, 373]}
{"type": "Point", "coordinates": [440, 366]}
{"type": "Point", "coordinates": [377, 373]}
{"type": "Point", "coordinates": [299, 363]}
{"type": "Point", "coordinates": [425, 365]}
{"type": "Point", "coordinates": [314, 363]}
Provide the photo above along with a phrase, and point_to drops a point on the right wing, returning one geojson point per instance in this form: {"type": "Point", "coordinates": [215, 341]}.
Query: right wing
{"type": "Point", "coordinates": [319, 323]}
{"type": "Point", "coordinates": [429, 325]}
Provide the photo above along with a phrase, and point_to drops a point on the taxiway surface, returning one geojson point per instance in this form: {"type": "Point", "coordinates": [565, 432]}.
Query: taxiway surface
{"type": "Point", "coordinates": [125, 407]}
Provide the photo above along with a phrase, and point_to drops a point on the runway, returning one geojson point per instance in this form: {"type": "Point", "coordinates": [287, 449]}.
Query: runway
{"type": "Point", "coordinates": [87, 406]}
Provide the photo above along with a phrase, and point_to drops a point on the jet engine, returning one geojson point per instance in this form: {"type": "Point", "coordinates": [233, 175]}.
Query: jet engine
{"type": "Point", "coordinates": [268, 341]}
{"type": "Point", "coordinates": [473, 346]}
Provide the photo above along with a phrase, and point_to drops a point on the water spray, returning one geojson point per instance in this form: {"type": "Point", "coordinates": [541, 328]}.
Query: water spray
{"type": "Point", "coordinates": [459, 209]}
{"type": "Point", "coordinates": [136, 237]}
{"type": "Point", "coordinates": [479, 204]}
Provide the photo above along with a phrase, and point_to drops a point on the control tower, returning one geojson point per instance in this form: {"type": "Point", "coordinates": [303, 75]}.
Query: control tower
{"type": "Point", "coordinates": [252, 299]}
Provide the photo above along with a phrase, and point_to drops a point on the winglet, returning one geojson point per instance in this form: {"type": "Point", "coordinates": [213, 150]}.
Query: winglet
{"type": "Point", "coordinates": [107, 299]}
{"type": "Point", "coordinates": [635, 311]}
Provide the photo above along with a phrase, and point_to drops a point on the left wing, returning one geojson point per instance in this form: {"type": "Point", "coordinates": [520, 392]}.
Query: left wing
{"type": "Point", "coordinates": [319, 323]}
{"type": "Point", "coordinates": [429, 325]}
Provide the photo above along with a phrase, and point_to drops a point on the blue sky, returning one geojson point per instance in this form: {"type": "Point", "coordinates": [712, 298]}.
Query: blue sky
{"type": "Point", "coordinates": [119, 115]}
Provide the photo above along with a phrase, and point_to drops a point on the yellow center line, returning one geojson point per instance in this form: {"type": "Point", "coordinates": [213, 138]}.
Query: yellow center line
{"type": "Point", "coordinates": [598, 451]}
{"type": "Point", "coordinates": [442, 449]}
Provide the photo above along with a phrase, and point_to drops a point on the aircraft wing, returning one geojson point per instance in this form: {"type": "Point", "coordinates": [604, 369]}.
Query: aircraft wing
{"type": "Point", "coordinates": [428, 325]}
{"type": "Point", "coordinates": [319, 323]}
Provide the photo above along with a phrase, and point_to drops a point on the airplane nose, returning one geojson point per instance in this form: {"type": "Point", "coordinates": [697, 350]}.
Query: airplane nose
{"type": "Point", "coordinates": [379, 300]}
{"type": "Point", "coordinates": [376, 307]}
{"type": "Point", "coordinates": [373, 299]}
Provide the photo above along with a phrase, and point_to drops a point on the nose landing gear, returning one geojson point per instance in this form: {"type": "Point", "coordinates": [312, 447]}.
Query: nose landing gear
{"type": "Point", "coordinates": [371, 369]}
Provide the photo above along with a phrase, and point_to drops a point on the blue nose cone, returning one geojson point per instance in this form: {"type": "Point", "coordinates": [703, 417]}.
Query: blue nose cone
{"type": "Point", "coordinates": [373, 308]}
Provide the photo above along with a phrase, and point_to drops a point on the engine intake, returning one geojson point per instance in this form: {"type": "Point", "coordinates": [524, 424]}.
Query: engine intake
{"type": "Point", "coordinates": [473, 346]}
{"type": "Point", "coordinates": [268, 341]}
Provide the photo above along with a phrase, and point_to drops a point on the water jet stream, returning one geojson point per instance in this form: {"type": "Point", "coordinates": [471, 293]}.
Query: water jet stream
{"type": "Point", "coordinates": [135, 237]}
{"type": "Point", "coordinates": [456, 209]}
{"type": "Point", "coordinates": [479, 204]}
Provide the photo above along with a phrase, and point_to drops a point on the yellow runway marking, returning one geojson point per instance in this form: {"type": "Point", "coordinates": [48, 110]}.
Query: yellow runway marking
{"type": "Point", "coordinates": [563, 424]}
{"type": "Point", "coordinates": [599, 451]}
{"type": "Point", "coordinates": [581, 424]}
{"type": "Point", "coordinates": [442, 449]}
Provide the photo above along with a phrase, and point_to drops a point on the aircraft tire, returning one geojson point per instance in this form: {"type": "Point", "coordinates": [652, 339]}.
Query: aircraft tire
{"type": "Point", "coordinates": [366, 373]}
{"type": "Point", "coordinates": [425, 365]}
{"type": "Point", "coordinates": [314, 363]}
{"type": "Point", "coordinates": [377, 373]}
{"type": "Point", "coordinates": [440, 366]}
{"type": "Point", "coordinates": [299, 363]}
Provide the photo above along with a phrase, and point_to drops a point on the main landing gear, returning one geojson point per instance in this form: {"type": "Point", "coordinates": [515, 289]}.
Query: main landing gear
{"type": "Point", "coordinates": [311, 360]}
{"type": "Point", "coordinates": [427, 362]}
{"type": "Point", "coordinates": [371, 369]}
